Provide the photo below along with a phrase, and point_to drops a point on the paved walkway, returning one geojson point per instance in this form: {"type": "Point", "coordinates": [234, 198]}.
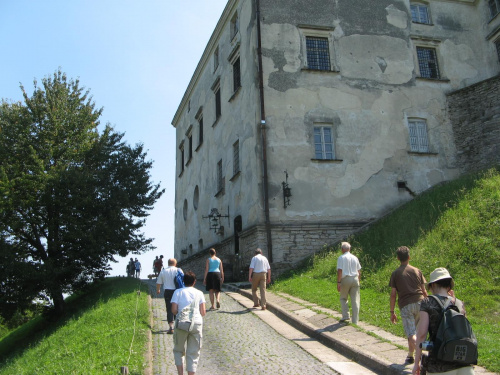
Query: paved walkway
{"type": "Point", "coordinates": [227, 330]}
{"type": "Point", "coordinates": [235, 341]}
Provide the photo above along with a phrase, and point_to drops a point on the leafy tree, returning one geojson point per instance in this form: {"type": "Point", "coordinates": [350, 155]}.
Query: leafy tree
{"type": "Point", "coordinates": [71, 198]}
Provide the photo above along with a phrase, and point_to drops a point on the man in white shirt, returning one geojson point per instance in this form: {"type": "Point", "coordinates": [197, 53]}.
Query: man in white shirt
{"type": "Point", "coordinates": [348, 276]}
{"type": "Point", "coordinates": [166, 277]}
{"type": "Point", "coordinates": [259, 275]}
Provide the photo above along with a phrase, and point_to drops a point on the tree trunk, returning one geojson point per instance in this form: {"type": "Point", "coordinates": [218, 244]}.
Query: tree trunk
{"type": "Point", "coordinates": [59, 304]}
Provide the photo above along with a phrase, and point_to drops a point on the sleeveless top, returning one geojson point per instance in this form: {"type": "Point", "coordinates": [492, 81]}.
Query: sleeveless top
{"type": "Point", "coordinates": [213, 265]}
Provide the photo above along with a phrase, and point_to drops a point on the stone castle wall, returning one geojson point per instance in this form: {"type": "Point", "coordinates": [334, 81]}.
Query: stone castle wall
{"type": "Point", "coordinates": [475, 116]}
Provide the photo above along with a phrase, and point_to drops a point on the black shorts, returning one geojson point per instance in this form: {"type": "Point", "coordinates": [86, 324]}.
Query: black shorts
{"type": "Point", "coordinates": [213, 281]}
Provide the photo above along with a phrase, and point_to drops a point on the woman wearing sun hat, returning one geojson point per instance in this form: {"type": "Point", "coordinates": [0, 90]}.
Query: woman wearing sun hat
{"type": "Point", "coordinates": [441, 285]}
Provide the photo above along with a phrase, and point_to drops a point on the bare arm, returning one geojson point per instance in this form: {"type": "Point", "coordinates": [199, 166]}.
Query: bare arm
{"type": "Point", "coordinates": [203, 309]}
{"type": "Point", "coordinates": [394, 293]}
{"type": "Point", "coordinates": [206, 272]}
{"type": "Point", "coordinates": [424, 291]}
{"type": "Point", "coordinates": [250, 271]}
{"type": "Point", "coordinates": [175, 308]}
{"type": "Point", "coordinates": [269, 276]}
{"type": "Point", "coordinates": [339, 278]}
{"type": "Point", "coordinates": [422, 329]}
{"type": "Point", "coordinates": [221, 272]}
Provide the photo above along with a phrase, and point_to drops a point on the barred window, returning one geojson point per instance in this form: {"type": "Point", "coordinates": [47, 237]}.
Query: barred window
{"type": "Point", "coordinates": [318, 53]}
{"type": "Point", "coordinates": [420, 13]}
{"type": "Point", "coordinates": [427, 62]}
{"type": "Point", "coordinates": [418, 136]}
{"type": "Point", "coordinates": [236, 75]}
{"type": "Point", "coordinates": [323, 143]}
{"type": "Point", "coordinates": [236, 157]}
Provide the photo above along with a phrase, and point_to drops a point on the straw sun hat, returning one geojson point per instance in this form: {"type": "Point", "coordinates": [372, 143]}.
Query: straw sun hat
{"type": "Point", "coordinates": [439, 274]}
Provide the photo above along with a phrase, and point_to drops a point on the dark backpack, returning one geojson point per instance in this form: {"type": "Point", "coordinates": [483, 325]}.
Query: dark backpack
{"type": "Point", "coordinates": [179, 279]}
{"type": "Point", "coordinates": [454, 340]}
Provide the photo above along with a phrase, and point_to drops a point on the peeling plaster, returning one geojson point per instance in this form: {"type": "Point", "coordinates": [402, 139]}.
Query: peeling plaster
{"type": "Point", "coordinates": [396, 17]}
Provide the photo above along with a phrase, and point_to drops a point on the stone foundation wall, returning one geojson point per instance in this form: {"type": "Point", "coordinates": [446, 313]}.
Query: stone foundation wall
{"type": "Point", "coordinates": [475, 116]}
{"type": "Point", "coordinates": [291, 245]}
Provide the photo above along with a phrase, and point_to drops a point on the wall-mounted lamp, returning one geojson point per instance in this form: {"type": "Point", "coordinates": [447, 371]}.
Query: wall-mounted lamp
{"type": "Point", "coordinates": [287, 191]}
{"type": "Point", "coordinates": [214, 221]}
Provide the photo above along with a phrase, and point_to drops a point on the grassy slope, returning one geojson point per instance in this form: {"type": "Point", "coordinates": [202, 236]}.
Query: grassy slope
{"type": "Point", "coordinates": [93, 338]}
{"type": "Point", "coordinates": [456, 226]}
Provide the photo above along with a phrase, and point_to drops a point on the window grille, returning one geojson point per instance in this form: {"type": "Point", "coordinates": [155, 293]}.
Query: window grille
{"type": "Point", "coordinates": [420, 14]}
{"type": "Point", "coordinates": [323, 143]}
{"type": "Point", "coordinates": [418, 136]}
{"type": "Point", "coordinates": [427, 62]}
{"type": "Point", "coordinates": [236, 157]}
{"type": "Point", "coordinates": [318, 53]}
{"type": "Point", "coordinates": [236, 75]}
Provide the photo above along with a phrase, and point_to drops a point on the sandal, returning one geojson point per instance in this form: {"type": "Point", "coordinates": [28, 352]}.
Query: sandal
{"type": "Point", "coordinates": [218, 305]}
{"type": "Point", "coordinates": [170, 331]}
{"type": "Point", "coordinates": [409, 360]}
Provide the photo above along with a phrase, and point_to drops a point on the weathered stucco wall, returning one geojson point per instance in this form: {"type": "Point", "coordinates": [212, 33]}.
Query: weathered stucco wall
{"type": "Point", "coordinates": [238, 122]}
{"type": "Point", "coordinates": [475, 115]}
{"type": "Point", "coordinates": [367, 98]}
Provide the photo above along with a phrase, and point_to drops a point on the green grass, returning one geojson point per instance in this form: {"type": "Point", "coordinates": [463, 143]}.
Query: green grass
{"type": "Point", "coordinates": [455, 225]}
{"type": "Point", "coordinates": [94, 337]}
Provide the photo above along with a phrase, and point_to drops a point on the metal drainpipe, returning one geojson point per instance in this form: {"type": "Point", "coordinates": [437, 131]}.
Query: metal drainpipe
{"type": "Point", "coordinates": [263, 137]}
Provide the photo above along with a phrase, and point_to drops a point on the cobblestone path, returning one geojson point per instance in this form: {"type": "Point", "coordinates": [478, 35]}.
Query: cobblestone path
{"type": "Point", "coordinates": [235, 341]}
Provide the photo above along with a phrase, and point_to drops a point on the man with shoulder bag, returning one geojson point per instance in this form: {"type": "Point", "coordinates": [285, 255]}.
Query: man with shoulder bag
{"type": "Point", "coordinates": [167, 278]}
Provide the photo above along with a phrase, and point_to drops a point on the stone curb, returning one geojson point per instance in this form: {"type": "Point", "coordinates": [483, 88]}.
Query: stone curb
{"type": "Point", "coordinates": [356, 354]}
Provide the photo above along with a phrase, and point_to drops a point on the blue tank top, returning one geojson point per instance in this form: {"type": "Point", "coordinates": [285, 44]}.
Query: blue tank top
{"type": "Point", "coordinates": [213, 265]}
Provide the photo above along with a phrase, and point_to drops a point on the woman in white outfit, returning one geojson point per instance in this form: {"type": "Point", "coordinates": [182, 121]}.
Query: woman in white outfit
{"type": "Point", "coordinates": [188, 342]}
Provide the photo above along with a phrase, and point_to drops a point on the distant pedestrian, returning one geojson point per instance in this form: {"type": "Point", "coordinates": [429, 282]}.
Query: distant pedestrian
{"type": "Point", "coordinates": [138, 268]}
{"type": "Point", "coordinates": [408, 284]}
{"type": "Point", "coordinates": [213, 279]}
{"type": "Point", "coordinates": [259, 275]}
{"type": "Point", "coordinates": [188, 304]}
{"type": "Point", "coordinates": [348, 277]}
{"type": "Point", "coordinates": [156, 266]}
{"type": "Point", "coordinates": [131, 268]}
{"type": "Point", "coordinates": [166, 278]}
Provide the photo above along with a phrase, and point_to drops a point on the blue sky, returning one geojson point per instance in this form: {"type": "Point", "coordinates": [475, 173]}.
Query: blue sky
{"type": "Point", "coordinates": [136, 57]}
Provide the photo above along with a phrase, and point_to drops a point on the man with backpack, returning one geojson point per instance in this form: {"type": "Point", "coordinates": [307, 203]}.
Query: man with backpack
{"type": "Point", "coordinates": [452, 345]}
{"type": "Point", "coordinates": [408, 285]}
{"type": "Point", "coordinates": [171, 278]}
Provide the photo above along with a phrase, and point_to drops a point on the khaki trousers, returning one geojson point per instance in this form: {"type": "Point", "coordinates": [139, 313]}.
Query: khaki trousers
{"type": "Point", "coordinates": [349, 287]}
{"type": "Point", "coordinates": [188, 344]}
{"type": "Point", "coordinates": [259, 281]}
